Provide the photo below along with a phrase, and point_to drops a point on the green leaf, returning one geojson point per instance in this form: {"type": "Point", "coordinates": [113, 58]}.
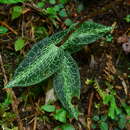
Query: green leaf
{"type": "Point", "coordinates": [48, 108]}
{"type": "Point", "coordinates": [113, 109]}
{"type": "Point", "coordinates": [64, 1]}
{"type": "Point", "coordinates": [38, 66]}
{"type": "Point", "coordinates": [52, 1]}
{"type": "Point", "coordinates": [51, 11]}
{"type": "Point", "coordinates": [58, 7]}
{"type": "Point", "coordinates": [122, 121]}
{"type": "Point", "coordinates": [80, 7]}
{"type": "Point", "coordinates": [63, 13]}
{"type": "Point", "coordinates": [40, 4]}
{"type": "Point", "coordinates": [65, 127]}
{"type": "Point", "coordinates": [3, 30]}
{"type": "Point", "coordinates": [16, 12]}
{"type": "Point", "coordinates": [68, 22]}
{"type": "Point", "coordinates": [127, 108]}
{"type": "Point", "coordinates": [87, 33]}
{"type": "Point", "coordinates": [10, 1]}
{"type": "Point", "coordinates": [103, 118]}
{"type": "Point", "coordinates": [96, 118]}
{"type": "Point", "coordinates": [103, 126]}
{"type": "Point", "coordinates": [19, 44]}
{"type": "Point", "coordinates": [60, 115]}
{"type": "Point", "coordinates": [67, 84]}
{"type": "Point", "coordinates": [127, 18]}
{"type": "Point", "coordinates": [107, 98]}
{"type": "Point", "coordinates": [34, 57]}
{"type": "Point", "coordinates": [94, 126]}
{"type": "Point", "coordinates": [109, 38]}
{"type": "Point", "coordinates": [40, 32]}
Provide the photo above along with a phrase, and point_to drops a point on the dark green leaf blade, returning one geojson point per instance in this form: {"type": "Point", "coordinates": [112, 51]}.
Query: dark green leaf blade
{"type": "Point", "coordinates": [19, 44]}
{"type": "Point", "coordinates": [10, 1]}
{"type": "Point", "coordinates": [35, 53]}
{"type": "Point", "coordinates": [37, 50]}
{"type": "Point", "coordinates": [87, 33]}
{"type": "Point", "coordinates": [60, 115]}
{"type": "Point", "coordinates": [67, 84]}
{"type": "Point", "coordinates": [33, 72]}
{"type": "Point", "coordinates": [48, 108]}
{"type": "Point", "coordinates": [3, 30]}
{"type": "Point", "coordinates": [16, 12]}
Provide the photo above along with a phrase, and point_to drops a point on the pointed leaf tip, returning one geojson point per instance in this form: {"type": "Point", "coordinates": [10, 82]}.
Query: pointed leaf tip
{"type": "Point", "coordinates": [67, 84]}
{"type": "Point", "coordinates": [87, 33]}
{"type": "Point", "coordinates": [41, 62]}
{"type": "Point", "coordinates": [39, 69]}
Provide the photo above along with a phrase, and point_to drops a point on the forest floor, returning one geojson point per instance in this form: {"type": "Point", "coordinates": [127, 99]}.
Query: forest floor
{"type": "Point", "coordinates": [104, 67]}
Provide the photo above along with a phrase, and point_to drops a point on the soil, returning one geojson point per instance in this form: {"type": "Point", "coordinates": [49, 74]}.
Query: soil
{"type": "Point", "coordinates": [103, 61]}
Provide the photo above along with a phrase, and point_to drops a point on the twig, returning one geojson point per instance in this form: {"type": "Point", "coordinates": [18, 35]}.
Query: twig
{"type": "Point", "coordinates": [90, 104]}
{"type": "Point", "coordinates": [7, 26]}
{"type": "Point", "coordinates": [3, 70]}
{"type": "Point", "coordinates": [89, 122]}
{"type": "Point", "coordinates": [35, 123]}
{"type": "Point", "coordinates": [15, 101]}
{"type": "Point", "coordinates": [35, 9]}
{"type": "Point", "coordinates": [124, 85]}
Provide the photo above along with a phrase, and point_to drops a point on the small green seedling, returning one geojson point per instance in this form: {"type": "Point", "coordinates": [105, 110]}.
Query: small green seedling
{"type": "Point", "coordinates": [16, 12]}
{"type": "Point", "coordinates": [11, 1]}
{"type": "Point", "coordinates": [109, 38]}
{"type": "Point", "coordinates": [48, 58]}
{"type": "Point", "coordinates": [108, 99]}
{"type": "Point", "coordinates": [19, 44]}
{"type": "Point", "coordinates": [48, 108]}
{"type": "Point", "coordinates": [58, 114]}
{"type": "Point", "coordinates": [3, 30]}
{"type": "Point", "coordinates": [127, 18]}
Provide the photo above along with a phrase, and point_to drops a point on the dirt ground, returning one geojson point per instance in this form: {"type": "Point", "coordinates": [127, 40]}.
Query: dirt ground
{"type": "Point", "coordinates": [104, 61]}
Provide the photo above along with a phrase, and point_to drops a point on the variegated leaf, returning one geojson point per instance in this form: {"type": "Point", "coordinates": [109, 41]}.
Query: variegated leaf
{"type": "Point", "coordinates": [67, 83]}
{"type": "Point", "coordinates": [87, 33]}
{"type": "Point", "coordinates": [33, 71]}
{"type": "Point", "coordinates": [35, 54]}
{"type": "Point", "coordinates": [37, 50]}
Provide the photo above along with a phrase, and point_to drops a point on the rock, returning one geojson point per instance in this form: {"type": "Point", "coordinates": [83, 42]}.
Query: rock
{"type": "Point", "coordinates": [126, 47]}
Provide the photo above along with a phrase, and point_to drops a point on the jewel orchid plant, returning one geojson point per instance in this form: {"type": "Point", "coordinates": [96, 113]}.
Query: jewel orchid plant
{"type": "Point", "coordinates": [47, 58]}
